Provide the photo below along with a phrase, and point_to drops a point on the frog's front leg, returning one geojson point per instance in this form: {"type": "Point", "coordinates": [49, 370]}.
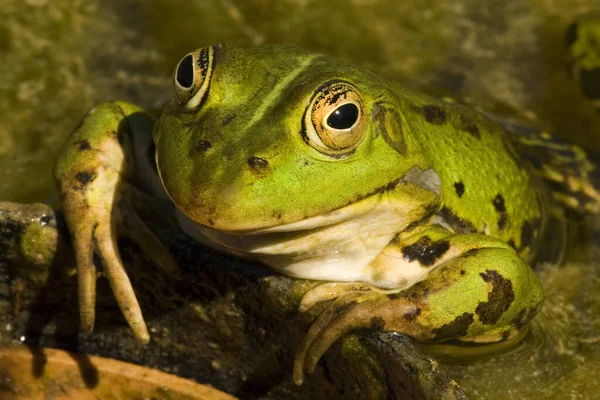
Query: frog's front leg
{"type": "Point", "coordinates": [473, 288]}
{"type": "Point", "coordinates": [95, 173]}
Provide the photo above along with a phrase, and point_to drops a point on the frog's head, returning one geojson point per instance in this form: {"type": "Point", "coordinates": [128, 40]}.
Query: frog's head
{"type": "Point", "coordinates": [260, 138]}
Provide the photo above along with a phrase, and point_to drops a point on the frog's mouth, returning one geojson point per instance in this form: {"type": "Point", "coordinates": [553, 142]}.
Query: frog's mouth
{"type": "Point", "coordinates": [346, 213]}
{"type": "Point", "coordinates": [303, 227]}
{"type": "Point", "coordinates": [425, 178]}
{"type": "Point", "coordinates": [333, 246]}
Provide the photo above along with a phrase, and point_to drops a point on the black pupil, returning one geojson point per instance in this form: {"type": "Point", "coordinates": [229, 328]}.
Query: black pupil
{"type": "Point", "coordinates": [343, 117]}
{"type": "Point", "coordinates": [185, 72]}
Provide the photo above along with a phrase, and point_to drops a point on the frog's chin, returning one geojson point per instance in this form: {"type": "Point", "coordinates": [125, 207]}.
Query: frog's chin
{"type": "Point", "coordinates": [336, 246]}
{"type": "Point", "coordinates": [346, 213]}
{"type": "Point", "coordinates": [333, 246]}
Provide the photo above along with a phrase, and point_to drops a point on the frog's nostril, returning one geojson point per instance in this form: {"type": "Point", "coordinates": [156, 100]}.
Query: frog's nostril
{"type": "Point", "coordinates": [202, 146]}
{"type": "Point", "coordinates": [258, 164]}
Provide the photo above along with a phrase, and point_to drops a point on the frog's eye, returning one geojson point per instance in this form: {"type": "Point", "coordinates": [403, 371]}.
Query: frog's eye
{"type": "Point", "coordinates": [192, 77]}
{"type": "Point", "coordinates": [335, 122]}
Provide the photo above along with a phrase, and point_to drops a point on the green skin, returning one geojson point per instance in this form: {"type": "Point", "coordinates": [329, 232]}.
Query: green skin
{"type": "Point", "coordinates": [455, 212]}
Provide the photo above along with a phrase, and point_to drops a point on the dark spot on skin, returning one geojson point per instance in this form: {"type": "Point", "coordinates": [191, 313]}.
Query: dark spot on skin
{"type": "Point", "coordinates": [202, 146]}
{"type": "Point", "coordinates": [378, 323]}
{"type": "Point", "coordinates": [502, 221]}
{"type": "Point", "coordinates": [210, 221]}
{"type": "Point", "coordinates": [228, 119]}
{"type": "Point", "coordinates": [454, 329]}
{"type": "Point", "coordinates": [425, 251]}
{"type": "Point", "coordinates": [463, 272]}
{"type": "Point", "coordinates": [411, 316]}
{"type": "Point", "coordinates": [83, 145]}
{"type": "Point", "coordinates": [85, 177]}
{"type": "Point", "coordinates": [458, 224]}
{"type": "Point", "coordinates": [500, 207]}
{"type": "Point", "coordinates": [258, 163]}
{"type": "Point", "coordinates": [470, 126]}
{"type": "Point", "coordinates": [434, 115]}
{"type": "Point", "coordinates": [276, 215]}
{"type": "Point", "coordinates": [499, 299]}
{"type": "Point", "coordinates": [528, 233]}
{"type": "Point", "coordinates": [499, 203]}
{"type": "Point", "coordinates": [460, 188]}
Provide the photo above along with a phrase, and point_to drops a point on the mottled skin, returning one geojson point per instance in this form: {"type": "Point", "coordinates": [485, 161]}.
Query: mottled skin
{"type": "Point", "coordinates": [420, 212]}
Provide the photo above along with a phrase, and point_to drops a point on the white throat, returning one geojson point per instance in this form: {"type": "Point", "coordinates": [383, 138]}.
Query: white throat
{"type": "Point", "coordinates": [336, 246]}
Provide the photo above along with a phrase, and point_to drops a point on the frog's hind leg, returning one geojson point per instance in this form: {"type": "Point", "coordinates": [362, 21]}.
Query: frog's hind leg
{"type": "Point", "coordinates": [480, 295]}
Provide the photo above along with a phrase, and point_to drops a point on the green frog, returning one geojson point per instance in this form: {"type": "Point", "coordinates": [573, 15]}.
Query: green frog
{"type": "Point", "coordinates": [418, 215]}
